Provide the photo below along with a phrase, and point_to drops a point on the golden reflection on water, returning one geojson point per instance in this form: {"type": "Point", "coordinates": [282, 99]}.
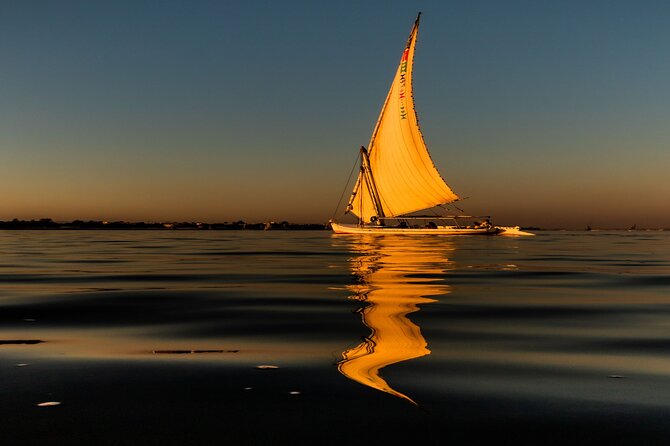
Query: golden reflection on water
{"type": "Point", "coordinates": [395, 275]}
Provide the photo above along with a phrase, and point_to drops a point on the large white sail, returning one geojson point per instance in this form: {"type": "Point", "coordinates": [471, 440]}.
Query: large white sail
{"type": "Point", "coordinates": [400, 168]}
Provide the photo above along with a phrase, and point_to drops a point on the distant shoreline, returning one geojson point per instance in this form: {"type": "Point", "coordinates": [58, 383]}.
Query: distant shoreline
{"type": "Point", "coordinates": [49, 224]}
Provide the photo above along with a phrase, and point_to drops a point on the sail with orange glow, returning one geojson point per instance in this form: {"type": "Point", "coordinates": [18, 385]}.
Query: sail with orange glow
{"type": "Point", "coordinates": [403, 173]}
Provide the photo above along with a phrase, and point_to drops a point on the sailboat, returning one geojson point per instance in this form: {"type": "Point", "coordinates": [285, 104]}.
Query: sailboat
{"type": "Point", "coordinates": [397, 177]}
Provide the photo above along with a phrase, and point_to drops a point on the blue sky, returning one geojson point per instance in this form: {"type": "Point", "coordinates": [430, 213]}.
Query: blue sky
{"type": "Point", "coordinates": [543, 113]}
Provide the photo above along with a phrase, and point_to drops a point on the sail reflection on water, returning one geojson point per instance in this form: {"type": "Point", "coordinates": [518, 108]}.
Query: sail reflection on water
{"type": "Point", "coordinates": [395, 275]}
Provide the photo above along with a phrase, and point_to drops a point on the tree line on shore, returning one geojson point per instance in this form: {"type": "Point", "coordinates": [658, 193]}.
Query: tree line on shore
{"type": "Point", "coordinates": [48, 223]}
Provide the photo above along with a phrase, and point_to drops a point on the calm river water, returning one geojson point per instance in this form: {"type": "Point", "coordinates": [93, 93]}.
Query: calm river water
{"type": "Point", "coordinates": [256, 337]}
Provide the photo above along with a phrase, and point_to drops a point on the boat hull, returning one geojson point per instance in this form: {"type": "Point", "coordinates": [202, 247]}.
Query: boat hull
{"type": "Point", "coordinates": [340, 228]}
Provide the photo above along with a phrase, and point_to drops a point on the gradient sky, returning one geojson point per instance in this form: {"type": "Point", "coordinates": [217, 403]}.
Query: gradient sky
{"type": "Point", "coordinates": [543, 113]}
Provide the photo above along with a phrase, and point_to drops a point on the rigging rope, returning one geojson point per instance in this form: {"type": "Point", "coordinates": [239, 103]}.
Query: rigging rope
{"type": "Point", "coordinates": [344, 191]}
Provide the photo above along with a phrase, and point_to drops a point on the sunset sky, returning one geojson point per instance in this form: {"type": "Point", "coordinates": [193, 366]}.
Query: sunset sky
{"type": "Point", "coordinates": [542, 113]}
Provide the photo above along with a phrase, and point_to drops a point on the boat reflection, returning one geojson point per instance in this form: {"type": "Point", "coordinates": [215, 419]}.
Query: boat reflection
{"type": "Point", "coordinates": [395, 275]}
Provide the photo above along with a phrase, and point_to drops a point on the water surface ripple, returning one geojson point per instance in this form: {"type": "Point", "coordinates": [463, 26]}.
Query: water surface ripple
{"type": "Point", "coordinates": [155, 337]}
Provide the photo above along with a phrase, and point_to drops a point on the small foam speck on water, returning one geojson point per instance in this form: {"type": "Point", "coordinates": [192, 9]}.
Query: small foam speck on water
{"type": "Point", "coordinates": [266, 367]}
{"type": "Point", "coordinates": [183, 352]}
{"type": "Point", "coordinates": [22, 364]}
{"type": "Point", "coordinates": [248, 388]}
{"type": "Point", "coordinates": [49, 404]}
{"type": "Point", "coordinates": [294, 392]}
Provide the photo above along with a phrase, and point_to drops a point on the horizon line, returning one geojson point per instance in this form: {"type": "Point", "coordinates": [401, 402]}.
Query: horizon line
{"type": "Point", "coordinates": [168, 224]}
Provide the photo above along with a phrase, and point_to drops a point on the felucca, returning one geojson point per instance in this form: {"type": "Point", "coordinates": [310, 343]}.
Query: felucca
{"type": "Point", "coordinates": [397, 177]}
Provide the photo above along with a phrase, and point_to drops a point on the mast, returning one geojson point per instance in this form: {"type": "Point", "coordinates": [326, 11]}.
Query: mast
{"type": "Point", "coordinates": [366, 170]}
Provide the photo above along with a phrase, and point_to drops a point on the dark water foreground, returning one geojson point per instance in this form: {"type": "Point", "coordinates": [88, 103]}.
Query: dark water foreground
{"type": "Point", "coordinates": [156, 337]}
